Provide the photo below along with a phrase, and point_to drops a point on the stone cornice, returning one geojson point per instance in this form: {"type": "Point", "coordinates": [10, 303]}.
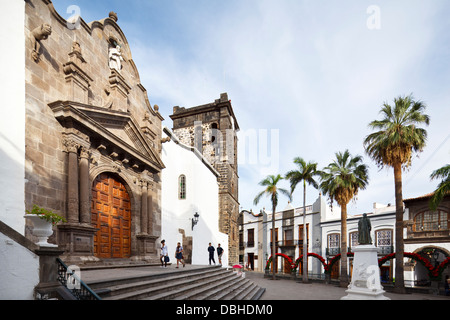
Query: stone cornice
{"type": "Point", "coordinates": [92, 120]}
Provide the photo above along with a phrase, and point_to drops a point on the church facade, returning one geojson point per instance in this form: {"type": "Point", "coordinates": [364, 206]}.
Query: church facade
{"type": "Point", "coordinates": [93, 140]}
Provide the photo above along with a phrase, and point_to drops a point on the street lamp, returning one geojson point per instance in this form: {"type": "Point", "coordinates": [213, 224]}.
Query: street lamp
{"type": "Point", "coordinates": [195, 220]}
{"type": "Point", "coordinates": [436, 257]}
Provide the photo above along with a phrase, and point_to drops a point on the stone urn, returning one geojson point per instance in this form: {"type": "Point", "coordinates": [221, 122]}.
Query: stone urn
{"type": "Point", "coordinates": [42, 230]}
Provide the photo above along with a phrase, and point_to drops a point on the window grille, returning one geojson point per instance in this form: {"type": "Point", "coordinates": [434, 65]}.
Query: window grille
{"type": "Point", "coordinates": [182, 187]}
{"type": "Point", "coordinates": [384, 238]}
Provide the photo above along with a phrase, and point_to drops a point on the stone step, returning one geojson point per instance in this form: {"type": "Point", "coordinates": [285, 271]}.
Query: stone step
{"type": "Point", "coordinates": [97, 284]}
{"type": "Point", "coordinates": [191, 290]}
{"type": "Point", "coordinates": [194, 283]}
{"type": "Point", "coordinates": [223, 289]}
{"type": "Point", "coordinates": [237, 289]}
{"type": "Point", "coordinates": [248, 293]}
{"type": "Point", "coordinates": [208, 289]}
{"type": "Point", "coordinates": [159, 286]}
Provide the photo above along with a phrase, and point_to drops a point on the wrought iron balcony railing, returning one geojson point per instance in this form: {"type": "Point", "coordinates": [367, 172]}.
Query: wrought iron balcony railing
{"type": "Point", "coordinates": [74, 284]}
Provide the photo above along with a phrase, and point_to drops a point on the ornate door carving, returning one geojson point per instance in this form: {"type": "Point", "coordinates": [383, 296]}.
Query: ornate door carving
{"type": "Point", "coordinates": [111, 215]}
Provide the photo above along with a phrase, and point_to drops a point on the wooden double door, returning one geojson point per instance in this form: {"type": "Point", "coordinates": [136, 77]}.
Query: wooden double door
{"type": "Point", "coordinates": [111, 215]}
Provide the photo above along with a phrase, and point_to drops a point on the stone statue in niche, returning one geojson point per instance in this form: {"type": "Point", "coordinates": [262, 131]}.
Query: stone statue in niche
{"type": "Point", "coordinates": [40, 33]}
{"type": "Point", "coordinates": [364, 228]}
{"type": "Point", "coordinates": [76, 48]}
{"type": "Point", "coordinates": [115, 58]}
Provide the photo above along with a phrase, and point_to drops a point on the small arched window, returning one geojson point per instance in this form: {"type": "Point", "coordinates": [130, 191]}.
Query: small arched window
{"type": "Point", "coordinates": [353, 239]}
{"type": "Point", "coordinates": [182, 187]}
{"type": "Point", "coordinates": [213, 132]}
{"type": "Point", "coordinates": [431, 221]}
{"type": "Point", "coordinates": [334, 244]}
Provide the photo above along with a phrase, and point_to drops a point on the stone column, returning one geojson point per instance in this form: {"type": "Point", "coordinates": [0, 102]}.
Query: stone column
{"type": "Point", "coordinates": [85, 212]}
{"type": "Point", "coordinates": [150, 212]}
{"type": "Point", "coordinates": [72, 182]}
{"type": "Point", "coordinates": [144, 208]}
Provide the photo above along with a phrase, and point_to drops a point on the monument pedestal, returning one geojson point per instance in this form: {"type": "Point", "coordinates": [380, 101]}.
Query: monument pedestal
{"type": "Point", "coordinates": [365, 284]}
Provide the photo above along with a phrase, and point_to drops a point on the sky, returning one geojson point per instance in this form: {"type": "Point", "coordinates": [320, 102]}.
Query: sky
{"type": "Point", "coordinates": [304, 77]}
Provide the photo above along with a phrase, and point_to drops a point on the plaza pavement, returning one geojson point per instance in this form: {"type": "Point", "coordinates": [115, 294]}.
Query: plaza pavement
{"type": "Point", "coordinates": [281, 289]}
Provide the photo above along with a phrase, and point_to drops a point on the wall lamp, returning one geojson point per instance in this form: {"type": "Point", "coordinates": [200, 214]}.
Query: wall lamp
{"type": "Point", "coordinates": [195, 220]}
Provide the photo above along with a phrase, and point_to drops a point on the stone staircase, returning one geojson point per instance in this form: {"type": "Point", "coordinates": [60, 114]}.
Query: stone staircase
{"type": "Point", "coordinates": [203, 283]}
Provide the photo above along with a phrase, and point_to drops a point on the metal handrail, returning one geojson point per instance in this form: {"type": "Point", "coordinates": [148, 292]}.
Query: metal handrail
{"type": "Point", "coordinates": [78, 288]}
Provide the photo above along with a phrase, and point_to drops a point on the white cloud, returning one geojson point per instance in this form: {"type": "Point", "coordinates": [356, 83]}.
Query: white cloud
{"type": "Point", "coordinates": [312, 70]}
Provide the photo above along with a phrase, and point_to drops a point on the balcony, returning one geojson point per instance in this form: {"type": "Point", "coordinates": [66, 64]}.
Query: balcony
{"type": "Point", "coordinates": [288, 243]}
{"type": "Point", "coordinates": [385, 250]}
{"type": "Point", "coordinates": [333, 251]}
{"type": "Point", "coordinates": [248, 244]}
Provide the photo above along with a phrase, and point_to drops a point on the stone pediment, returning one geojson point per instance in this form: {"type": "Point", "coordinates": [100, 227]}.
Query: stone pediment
{"type": "Point", "coordinates": [113, 128]}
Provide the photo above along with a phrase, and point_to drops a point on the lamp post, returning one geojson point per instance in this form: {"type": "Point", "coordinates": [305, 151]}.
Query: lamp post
{"type": "Point", "coordinates": [436, 257]}
{"type": "Point", "coordinates": [195, 220]}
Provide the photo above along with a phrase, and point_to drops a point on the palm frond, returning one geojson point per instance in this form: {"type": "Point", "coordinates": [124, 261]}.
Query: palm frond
{"type": "Point", "coordinates": [344, 177]}
{"type": "Point", "coordinates": [443, 187]}
{"type": "Point", "coordinates": [398, 132]}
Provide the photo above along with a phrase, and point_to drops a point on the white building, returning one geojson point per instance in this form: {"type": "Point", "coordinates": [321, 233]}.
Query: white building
{"type": "Point", "coordinates": [323, 225]}
{"type": "Point", "coordinates": [189, 187]}
{"type": "Point", "coordinates": [256, 235]}
{"type": "Point", "coordinates": [425, 234]}
{"type": "Point", "coordinates": [382, 220]}
{"type": "Point", "coordinates": [19, 265]}
{"type": "Point", "coordinates": [251, 239]}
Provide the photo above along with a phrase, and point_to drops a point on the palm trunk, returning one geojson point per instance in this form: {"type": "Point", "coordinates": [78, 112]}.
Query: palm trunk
{"type": "Point", "coordinates": [344, 268]}
{"type": "Point", "coordinates": [274, 257]}
{"type": "Point", "coordinates": [399, 286]}
{"type": "Point", "coordinates": [305, 242]}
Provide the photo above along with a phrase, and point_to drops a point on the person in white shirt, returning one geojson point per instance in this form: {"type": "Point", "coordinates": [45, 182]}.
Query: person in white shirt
{"type": "Point", "coordinates": [164, 257]}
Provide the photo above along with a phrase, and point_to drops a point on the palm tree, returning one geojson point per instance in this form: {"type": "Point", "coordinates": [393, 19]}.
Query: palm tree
{"type": "Point", "coordinates": [271, 190]}
{"type": "Point", "coordinates": [341, 181]}
{"type": "Point", "coordinates": [398, 137]}
{"type": "Point", "coordinates": [443, 187]}
{"type": "Point", "coordinates": [305, 174]}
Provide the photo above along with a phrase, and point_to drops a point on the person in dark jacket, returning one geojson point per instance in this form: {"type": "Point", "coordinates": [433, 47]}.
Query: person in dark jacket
{"type": "Point", "coordinates": [219, 253]}
{"type": "Point", "coordinates": [211, 253]}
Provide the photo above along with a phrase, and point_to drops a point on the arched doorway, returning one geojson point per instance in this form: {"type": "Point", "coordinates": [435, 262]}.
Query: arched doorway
{"type": "Point", "coordinates": [111, 215]}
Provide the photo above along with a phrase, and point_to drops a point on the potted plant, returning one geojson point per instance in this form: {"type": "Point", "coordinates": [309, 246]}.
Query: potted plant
{"type": "Point", "coordinates": [43, 221]}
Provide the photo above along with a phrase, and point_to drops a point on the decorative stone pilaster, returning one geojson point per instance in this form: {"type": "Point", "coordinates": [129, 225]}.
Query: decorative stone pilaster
{"type": "Point", "coordinates": [144, 207]}
{"type": "Point", "coordinates": [72, 181]}
{"type": "Point", "coordinates": [76, 237]}
{"type": "Point", "coordinates": [146, 242]}
{"type": "Point", "coordinates": [85, 208]}
{"type": "Point", "coordinates": [150, 210]}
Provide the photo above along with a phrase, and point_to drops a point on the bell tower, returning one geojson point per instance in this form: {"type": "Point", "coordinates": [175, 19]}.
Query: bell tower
{"type": "Point", "coordinates": [211, 129]}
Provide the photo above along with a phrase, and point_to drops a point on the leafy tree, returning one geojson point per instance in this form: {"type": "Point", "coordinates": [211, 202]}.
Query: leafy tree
{"type": "Point", "coordinates": [305, 173]}
{"type": "Point", "coordinates": [341, 181]}
{"type": "Point", "coordinates": [443, 187]}
{"type": "Point", "coordinates": [397, 138]}
{"type": "Point", "coordinates": [271, 190]}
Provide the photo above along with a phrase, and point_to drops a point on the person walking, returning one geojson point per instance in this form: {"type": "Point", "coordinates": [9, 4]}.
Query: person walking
{"type": "Point", "coordinates": [211, 254]}
{"type": "Point", "coordinates": [179, 254]}
{"type": "Point", "coordinates": [164, 257]}
{"type": "Point", "coordinates": [219, 253]}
